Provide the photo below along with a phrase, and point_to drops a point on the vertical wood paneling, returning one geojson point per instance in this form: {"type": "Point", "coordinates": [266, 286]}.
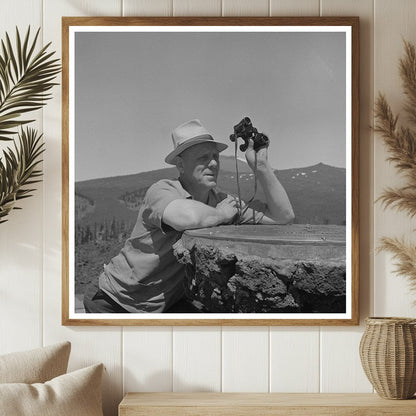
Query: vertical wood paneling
{"type": "Point", "coordinates": [147, 7]}
{"type": "Point", "coordinates": [294, 7]}
{"type": "Point", "coordinates": [89, 344]}
{"type": "Point", "coordinates": [245, 8]}
{"type": "Point", "coordinates": [294, 351]}
{"type": "Point", "coordinates": [196, 359]}
{"type": "Point", "coordinates": [147, 359]}
{"type": "Point", "coordinates": [21, 13]}
{"type": "Point", "coordinates": [21, 237]}
{"type": "Point", "coordinates": [341, 370]}
{"type": "Point", "coordinates": [245, 359]}
{"type": "Point", "coordinates": [197, 7]}
{"type": "Point", "coordinates": [341, 367]}
{"type": "Point", "coordinates": [393, 21]}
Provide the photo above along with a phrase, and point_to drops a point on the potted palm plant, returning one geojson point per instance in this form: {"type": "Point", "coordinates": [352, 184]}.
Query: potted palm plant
{"type": "Point", "coordinates": [26, 78]}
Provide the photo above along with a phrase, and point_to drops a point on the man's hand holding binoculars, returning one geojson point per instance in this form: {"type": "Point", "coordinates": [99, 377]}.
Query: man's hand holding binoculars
{"type": "Point", "coordinates": [279, 209]}
{"type": "Point", "coordinates": [256, 159]}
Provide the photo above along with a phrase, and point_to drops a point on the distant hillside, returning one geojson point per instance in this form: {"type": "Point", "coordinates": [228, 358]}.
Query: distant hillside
{"type": "Point", "coordinates": [83, 206]}
{"type": "Point", "coordinates": [317, 192]}
{"type": "Point", "coordinates": [107, 193]}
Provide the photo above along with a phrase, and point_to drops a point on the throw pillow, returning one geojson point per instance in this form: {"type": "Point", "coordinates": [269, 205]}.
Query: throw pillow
{"type": "Point", "coordinates": [35, 366]}
{"type": "Point", "coordinates": [73, 394]}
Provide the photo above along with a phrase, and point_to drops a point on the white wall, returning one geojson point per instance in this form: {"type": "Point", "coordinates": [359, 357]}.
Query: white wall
{"type": "Point", "coordinates": [276, 359]}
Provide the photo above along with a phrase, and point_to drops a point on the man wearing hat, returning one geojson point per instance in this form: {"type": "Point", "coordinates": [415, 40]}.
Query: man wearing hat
{"type": "Point", "coordinates": [145, 276]}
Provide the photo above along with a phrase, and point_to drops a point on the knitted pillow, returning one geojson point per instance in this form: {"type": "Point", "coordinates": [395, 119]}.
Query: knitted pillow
{"type": "Point", "coordinates": [73, 394]}
{"type": "Point", "coordinates": [35, 366]}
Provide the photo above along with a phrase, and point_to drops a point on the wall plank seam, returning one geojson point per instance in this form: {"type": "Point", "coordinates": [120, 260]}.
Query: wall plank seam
{"type": "Point", "coordinates": [122, 329]}
{"type": "Point", "coordinates": [42, 277]}
{"type": "Point", "coordinates": [320, 361]}
{"type": "Point", "coordinates": [269, 374]}
{"type": "Point", "coordinates": [172, 358]}
{"type": "Point", "coordinates": [374, 157]}
{"type": "Point", "coordinates": [123, 390]}
{"type": "Point", "coordinates": [221, 357]}
{"type": "Point", "coordinates": [320, 334]}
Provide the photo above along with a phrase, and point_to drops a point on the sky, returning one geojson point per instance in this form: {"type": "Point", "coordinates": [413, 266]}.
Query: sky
{"type": "Point", "coordinates": [133, 88]}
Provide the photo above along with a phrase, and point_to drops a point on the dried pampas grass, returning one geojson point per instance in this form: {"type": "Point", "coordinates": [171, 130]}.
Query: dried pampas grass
{"type": "Point", "coordinates": [405, 254]}
{"type": "Point", "coordinates": [401, 143]}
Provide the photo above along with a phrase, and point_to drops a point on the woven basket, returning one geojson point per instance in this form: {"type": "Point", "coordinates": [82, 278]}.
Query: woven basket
{"type": "Point", "coordinates": [388, 356]}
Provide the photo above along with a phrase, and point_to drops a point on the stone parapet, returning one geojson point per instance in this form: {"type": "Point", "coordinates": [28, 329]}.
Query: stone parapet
{"type": "Point", "coordinates": [265, 269]}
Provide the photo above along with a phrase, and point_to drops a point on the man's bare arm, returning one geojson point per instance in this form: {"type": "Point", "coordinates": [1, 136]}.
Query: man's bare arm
{"type": "Point", "coordinates": [280, 209]}
{"type": "Point", "coordinates": [186, 214]}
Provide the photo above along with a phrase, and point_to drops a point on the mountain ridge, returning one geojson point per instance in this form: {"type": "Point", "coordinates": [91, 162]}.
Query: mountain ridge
{"type": "Point", "coordinates": [317, 192]}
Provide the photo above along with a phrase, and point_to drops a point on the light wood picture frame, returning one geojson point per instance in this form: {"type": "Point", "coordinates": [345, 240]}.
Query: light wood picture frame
{"type": "Point", "coordinates": [127, 82]}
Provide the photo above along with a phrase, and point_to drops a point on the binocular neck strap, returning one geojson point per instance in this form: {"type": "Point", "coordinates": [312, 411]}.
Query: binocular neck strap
{"type": "Point", "coordinates": [240, 211]}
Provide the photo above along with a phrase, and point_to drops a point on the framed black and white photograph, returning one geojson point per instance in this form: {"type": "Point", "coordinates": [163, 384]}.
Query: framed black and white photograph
{"type": "Point", "coordinates": [210, 171]}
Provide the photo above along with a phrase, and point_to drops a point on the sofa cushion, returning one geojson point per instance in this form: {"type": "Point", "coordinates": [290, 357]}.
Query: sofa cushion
{"type": "Point", "coordinates": [73, 394]}
{"type": "Point", "coordinates": [35, 366]}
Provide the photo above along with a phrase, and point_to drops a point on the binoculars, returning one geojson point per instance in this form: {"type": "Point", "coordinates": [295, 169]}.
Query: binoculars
{"type": "Point", "coordinates": [246, 131]}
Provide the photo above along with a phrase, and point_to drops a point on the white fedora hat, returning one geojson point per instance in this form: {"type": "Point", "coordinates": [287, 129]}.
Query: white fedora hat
{"type": "Point", "coordinates": [189, 134]}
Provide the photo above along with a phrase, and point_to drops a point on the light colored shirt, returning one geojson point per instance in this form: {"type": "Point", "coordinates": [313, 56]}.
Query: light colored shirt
{"type": "Point", "coordinates": [145, 276]}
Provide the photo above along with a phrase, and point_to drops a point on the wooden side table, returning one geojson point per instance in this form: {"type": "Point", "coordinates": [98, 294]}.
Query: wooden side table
{"type": "Point", "coordinates": [262, 404]}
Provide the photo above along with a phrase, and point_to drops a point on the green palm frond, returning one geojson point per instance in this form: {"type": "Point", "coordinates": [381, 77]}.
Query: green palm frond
{"type": "Point", "coordinates": [26, 78]}
{"type": "Point", "coordinates": [19, 169]}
